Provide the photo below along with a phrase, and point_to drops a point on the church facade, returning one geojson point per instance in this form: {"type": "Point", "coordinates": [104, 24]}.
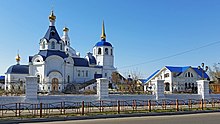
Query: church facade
{"type": "Point", "coordinates": [57, 64]}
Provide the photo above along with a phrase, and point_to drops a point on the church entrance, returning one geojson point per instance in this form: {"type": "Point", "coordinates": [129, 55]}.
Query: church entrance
{"type": "Point", "coordinates": [55, 84]}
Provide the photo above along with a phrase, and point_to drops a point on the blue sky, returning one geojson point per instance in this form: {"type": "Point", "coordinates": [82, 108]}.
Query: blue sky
{"type": "Point", "coordinates": [139, 30]}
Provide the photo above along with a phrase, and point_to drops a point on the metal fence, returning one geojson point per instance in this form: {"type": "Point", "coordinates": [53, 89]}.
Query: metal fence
{"type": "Point", "coordinates": [68, 108]}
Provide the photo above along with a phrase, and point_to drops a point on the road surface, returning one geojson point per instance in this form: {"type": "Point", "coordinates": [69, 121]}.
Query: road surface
{"type": "Point", "coordinates": [204, 118]}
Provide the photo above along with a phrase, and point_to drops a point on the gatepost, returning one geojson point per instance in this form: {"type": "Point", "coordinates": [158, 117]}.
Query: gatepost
{"type": "Point", "coordinates": [159, 89]}
{"type": "Point", "coordinates": [203, 88]}
{"type": "Point", "coordinates": [31, 89]}
{"type": "Point", "coordinates": [102, 88]}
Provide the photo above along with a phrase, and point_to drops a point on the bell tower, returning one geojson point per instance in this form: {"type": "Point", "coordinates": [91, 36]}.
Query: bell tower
{"type": "Point", "coordinates": [103, 52]}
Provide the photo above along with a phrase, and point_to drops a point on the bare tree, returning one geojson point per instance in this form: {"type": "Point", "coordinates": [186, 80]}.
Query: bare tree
{"type": "Point", "coordinates": [214, 72]}
{"type": "Point", "coordinates": [133, 83]}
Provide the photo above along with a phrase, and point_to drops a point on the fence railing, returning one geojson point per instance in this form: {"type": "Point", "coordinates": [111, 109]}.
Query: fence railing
{"type": "Point", "coordinates": [69, 108]}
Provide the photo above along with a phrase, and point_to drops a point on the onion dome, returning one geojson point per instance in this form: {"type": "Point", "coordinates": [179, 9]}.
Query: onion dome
{"type": "Point", "coordinates": [52, 17]}
{"type": "Point", "coordinates": [65, 29]}
{"type": "Point", "coordinates": [18, 58]}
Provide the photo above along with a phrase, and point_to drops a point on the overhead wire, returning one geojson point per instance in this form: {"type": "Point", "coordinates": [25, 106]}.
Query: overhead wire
{"type": "Point", "coordinates": [170, 56]}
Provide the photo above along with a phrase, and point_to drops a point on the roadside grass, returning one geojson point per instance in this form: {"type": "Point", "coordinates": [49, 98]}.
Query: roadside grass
{"type": "Point", "coordinates": [135, 111]}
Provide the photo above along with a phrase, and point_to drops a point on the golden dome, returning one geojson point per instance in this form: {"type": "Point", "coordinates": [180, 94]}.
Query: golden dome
{"type": "Point", "coordinates": [18, 58]}
{"type": "Point", "coordinates": [52, 16]}
{"type": "Point", "coordinates": [65, 29]}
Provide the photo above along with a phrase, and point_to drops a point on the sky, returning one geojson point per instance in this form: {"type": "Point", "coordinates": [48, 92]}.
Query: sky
{"type": "Point", "coordinates": [146, 34]}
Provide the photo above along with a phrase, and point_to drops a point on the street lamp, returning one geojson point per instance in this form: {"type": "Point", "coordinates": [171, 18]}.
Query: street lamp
{"type": "Point", "coordinates": [203, 69]}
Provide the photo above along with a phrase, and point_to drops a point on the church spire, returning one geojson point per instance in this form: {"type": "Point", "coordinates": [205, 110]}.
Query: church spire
{"type": "Point", "coordinates": [103, 36]}
{"type": "Point", "coordinates": [52, 18]}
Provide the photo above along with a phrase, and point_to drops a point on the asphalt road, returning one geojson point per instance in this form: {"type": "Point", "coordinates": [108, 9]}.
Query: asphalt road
{"type": "Point", "coordinates": [204, 118]}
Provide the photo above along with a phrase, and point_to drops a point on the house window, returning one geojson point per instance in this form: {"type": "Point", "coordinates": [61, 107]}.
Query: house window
{"type": "Point", "coordinates": [106, 74]}
{"type": "Point", "coordinates": [52, 45]}
{"type": "Point", "coordinates": [185, 86]}
{"type": "Point", "coordinates": [191, 75]}
{"type": "Point", "coordinates": [99, 51]}
{"type": "Point", "coordinates": [166, 75]}
{"type": "Point", "coordinates": [167, 86]}
{"type": "Point", "coordinates": [111, 52]}
{"type": "Point", "coordinates": [106, 51]}
{"type": "Point", "coordinates": [188, 74]}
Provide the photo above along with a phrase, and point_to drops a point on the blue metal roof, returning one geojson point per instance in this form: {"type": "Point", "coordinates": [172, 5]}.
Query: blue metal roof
{"type": "Point", "coordinates": [81, 62]}
{"type": "Point", "coordinates": [199, 72]}
{"type": "Point", "coordinates": [18, 69]}
{"type": "Point", "coordinates": [183, 69]}
{"type": "Point", "coordinates": [103, 43]}
{"type": "Point", "coordinates": [177, 69]}
{"type": "Point", "coordinates": [2, 77]}
{"type": "Point", "coordinates": [52, 33]}
{"type": "Point", "coordinates": [92, 59]}
{"type": "Point", "coordinates": [150, 76]}
{"type": "Point", "coordinates": [47, 53]}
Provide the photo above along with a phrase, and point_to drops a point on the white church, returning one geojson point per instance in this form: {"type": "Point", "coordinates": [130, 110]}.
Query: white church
{"type": "Point", "coordinates": [57, 64]}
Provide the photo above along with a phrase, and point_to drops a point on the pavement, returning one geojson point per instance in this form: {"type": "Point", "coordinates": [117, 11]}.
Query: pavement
{"type": "Point", "coordinates": [75, 118]}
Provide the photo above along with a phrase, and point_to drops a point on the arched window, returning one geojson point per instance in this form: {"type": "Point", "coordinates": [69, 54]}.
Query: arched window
{"type": "Point", "coordinates": [185, 86]}
{"type": "Point", "coordinates": [68, 79]}
{"type": "Point", "coordinates": [43, 45]}
{"type": "Point", "coordinates": [111, 52]}
{"type": "Point", "coordinates": [38, 78]}
{"type": "Point", "coordinates": [61, 46]}
{"type": "Point", "coordinates": [52, 32]}
{"type": "Point", "coordinates": [78, 73]}
{"type": "Point", "coordinates": [52, 45]}
{"type": "Point", "coordinates": [186, 75]}
{"type": "Point", "coordinates": [66, 42]}
{"type": "Point", "coordinates": [99, 51]}
{"type": "Point", "coordinates": [87, 73]}
{"type": "Point", "coordinates": [106, 51]}
{"type": "Point", "coordinates": [191, 75]}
